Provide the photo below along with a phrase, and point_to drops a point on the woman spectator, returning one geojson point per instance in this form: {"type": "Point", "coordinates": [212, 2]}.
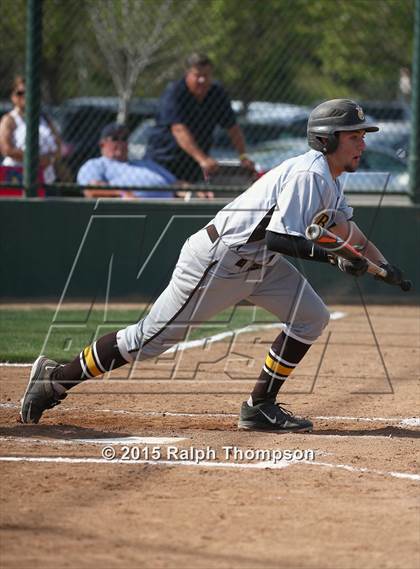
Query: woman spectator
{"type": "Point", "coordinates": [13, 134]}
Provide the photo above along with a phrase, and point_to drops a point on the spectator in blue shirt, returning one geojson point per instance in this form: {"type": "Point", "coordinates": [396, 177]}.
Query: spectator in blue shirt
{"type": "Point", "coordinates": [113, 169]}
{"type": "Point", "coordinates": [189, 111]}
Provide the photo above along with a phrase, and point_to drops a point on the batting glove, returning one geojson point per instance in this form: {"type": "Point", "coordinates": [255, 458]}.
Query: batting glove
{"type": "Point", "coordinates": [394, 274]}
{"type": "Point", "coordinates": [356, 268]}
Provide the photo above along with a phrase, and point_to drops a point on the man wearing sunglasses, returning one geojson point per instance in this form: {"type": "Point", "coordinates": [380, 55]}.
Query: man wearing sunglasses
{"type": "Point", "coordinates": [113, 169]}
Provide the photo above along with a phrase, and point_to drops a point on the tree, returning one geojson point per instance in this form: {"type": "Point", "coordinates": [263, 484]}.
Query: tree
{"type": "Point", "coordinates": [134, 35]}
{"type": "Point", "coordinates": [363, 44]}
{"type": "Point", "coordinates": [296, 51]}
{"type": "Point", "coordinates": [305, 50]}
{"type": "Point", "coordinates": [12, 53]}
{"type": "Point", "coordinates": [258, 46]}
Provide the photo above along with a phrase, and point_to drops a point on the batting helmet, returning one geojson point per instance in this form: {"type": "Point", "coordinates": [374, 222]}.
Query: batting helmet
{"type": "Point", "coordinates": [331, 117]}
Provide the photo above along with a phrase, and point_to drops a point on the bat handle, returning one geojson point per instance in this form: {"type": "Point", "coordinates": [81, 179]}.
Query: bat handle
{"type": "Point", "coordinates": [375, 269]}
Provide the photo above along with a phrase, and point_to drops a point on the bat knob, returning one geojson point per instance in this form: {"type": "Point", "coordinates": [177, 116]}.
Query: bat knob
{"type": "Point", "coordinates": [313, 232]}
{"type": "Point", "coordinates": [405, 285]}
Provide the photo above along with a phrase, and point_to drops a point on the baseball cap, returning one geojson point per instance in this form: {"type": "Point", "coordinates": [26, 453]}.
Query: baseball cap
{"type": "Point", "coordinates": [338, 115]}
{"type": "Point", "coordinates": [114, 129]}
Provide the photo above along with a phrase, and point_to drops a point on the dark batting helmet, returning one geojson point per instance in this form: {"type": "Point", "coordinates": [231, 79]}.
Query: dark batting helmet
{"type": "Point", "coordinates": [331, 117]}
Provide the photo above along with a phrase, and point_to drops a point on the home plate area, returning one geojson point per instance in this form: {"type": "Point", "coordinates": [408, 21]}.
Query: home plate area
{"type": "Point", "coordinates": [90, 468]}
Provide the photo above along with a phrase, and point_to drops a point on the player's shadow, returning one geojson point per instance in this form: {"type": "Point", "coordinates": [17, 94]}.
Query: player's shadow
{"type": "Point", "coordinates": [59, 432]}
{"type": "Point", "coordinates": [393, 432]}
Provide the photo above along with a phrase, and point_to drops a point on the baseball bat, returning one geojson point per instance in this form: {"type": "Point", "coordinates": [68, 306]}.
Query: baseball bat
{"type": "Point", "coordinates": [334, 244]}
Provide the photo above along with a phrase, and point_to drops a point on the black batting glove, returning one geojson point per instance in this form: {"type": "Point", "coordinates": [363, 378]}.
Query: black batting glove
{"type": "Point", "coordinates": [394, 274]}
{"type": "Point", "coordinates": [356, 268]}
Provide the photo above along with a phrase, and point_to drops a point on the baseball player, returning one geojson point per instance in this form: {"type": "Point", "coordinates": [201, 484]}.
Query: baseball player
{"type": "Point", "coordinates": [242, 254]}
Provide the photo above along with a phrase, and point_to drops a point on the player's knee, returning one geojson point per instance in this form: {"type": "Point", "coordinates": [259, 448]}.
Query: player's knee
{"type": "Point", "coordinates": [320, 319]}
{"type": "Point", "coordinates": [317, 321]}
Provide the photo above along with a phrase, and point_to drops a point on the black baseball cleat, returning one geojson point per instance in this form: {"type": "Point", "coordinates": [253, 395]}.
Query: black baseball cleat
{"type": "Point", "coordinates": [40, 393]}
{"type": "Point", "coordinates": [268, 416]}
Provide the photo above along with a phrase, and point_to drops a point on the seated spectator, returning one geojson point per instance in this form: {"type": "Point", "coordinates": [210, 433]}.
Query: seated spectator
{"type": "Point", "coordinates": [113, 169]}
{"type": "Point", "coordinates": [13, 135]}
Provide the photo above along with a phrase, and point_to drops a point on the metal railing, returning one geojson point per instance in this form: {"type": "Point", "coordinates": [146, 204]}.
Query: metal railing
{"type": "Point", "coordinates": [106, 60]}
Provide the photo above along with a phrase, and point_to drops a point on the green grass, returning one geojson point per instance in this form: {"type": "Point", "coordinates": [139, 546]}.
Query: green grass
{"type": "Point", "coordinates": [25, 332]}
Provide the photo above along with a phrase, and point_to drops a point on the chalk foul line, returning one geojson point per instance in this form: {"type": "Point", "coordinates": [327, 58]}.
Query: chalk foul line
{"type": "Point", "coordinates": [98, 441]}
{"type": "Point", "coordinates": [246, 329]}
{"type": "Point", "coordinates": [336, 315]}
{"type": "Point", "coordinates": [281, 464]}
{"type": "Point", "coordinates": [402, 421]}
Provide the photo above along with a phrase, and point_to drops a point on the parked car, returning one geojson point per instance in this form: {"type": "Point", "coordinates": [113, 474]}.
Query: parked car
{"type": "Point", "coordinates": [376, 182]}
{"type": "Point", "coordinates": [380, 169]}
{"type": "Point", "coordinates": [266, 112]}
{"type": "Point", "coordinates": [393, 134]}
{"type": "Point", "coordinates": [137, 140]}
{"type": "Point", "coordinates": [143, 106]}
{"type": "Point", "coordinates": [387, 110]}
{"type": "Point", "coordinates": [376, 163]}
{"type": "Point", "coordinates": [271, 154]}
{"type": "Point", "coordinates": [260, 129]}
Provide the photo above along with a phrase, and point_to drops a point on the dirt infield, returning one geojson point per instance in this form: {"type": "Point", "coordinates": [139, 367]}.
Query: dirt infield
{"type": "Point", "coordinates": [345, 496]}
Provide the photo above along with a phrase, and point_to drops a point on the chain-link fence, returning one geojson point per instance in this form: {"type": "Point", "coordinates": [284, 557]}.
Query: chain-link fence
{"type": "Point", "coordinates": [107, 61]}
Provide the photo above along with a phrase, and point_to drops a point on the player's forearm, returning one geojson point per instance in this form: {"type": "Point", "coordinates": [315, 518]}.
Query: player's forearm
{"type": "Point", "coordinates": [372, 253]}
{"type": "Point", "coordinates": [187, 142]}
{"type": "Point", "coordinates": [350, 232]}
{"type": "Point", "coordinates": [295, 246]}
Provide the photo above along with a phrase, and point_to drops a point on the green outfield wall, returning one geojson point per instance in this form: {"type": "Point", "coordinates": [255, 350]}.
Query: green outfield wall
{"type": "Point", "coordinates": [83, 250]}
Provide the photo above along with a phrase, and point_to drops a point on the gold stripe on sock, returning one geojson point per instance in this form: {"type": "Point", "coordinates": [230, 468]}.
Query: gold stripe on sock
{"type": "Point", "coordinates": [278, 368]}
{"type": "Point", "coordinates": [90, 362]}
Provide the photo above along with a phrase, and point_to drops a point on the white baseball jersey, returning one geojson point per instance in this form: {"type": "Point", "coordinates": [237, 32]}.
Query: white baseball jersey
{"type": "Point", "coordinates": [286, 200]}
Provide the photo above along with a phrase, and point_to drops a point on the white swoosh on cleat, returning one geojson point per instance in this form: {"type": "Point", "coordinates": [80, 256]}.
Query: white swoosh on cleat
{"type": "Point", "coordinates": [272, 420]}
